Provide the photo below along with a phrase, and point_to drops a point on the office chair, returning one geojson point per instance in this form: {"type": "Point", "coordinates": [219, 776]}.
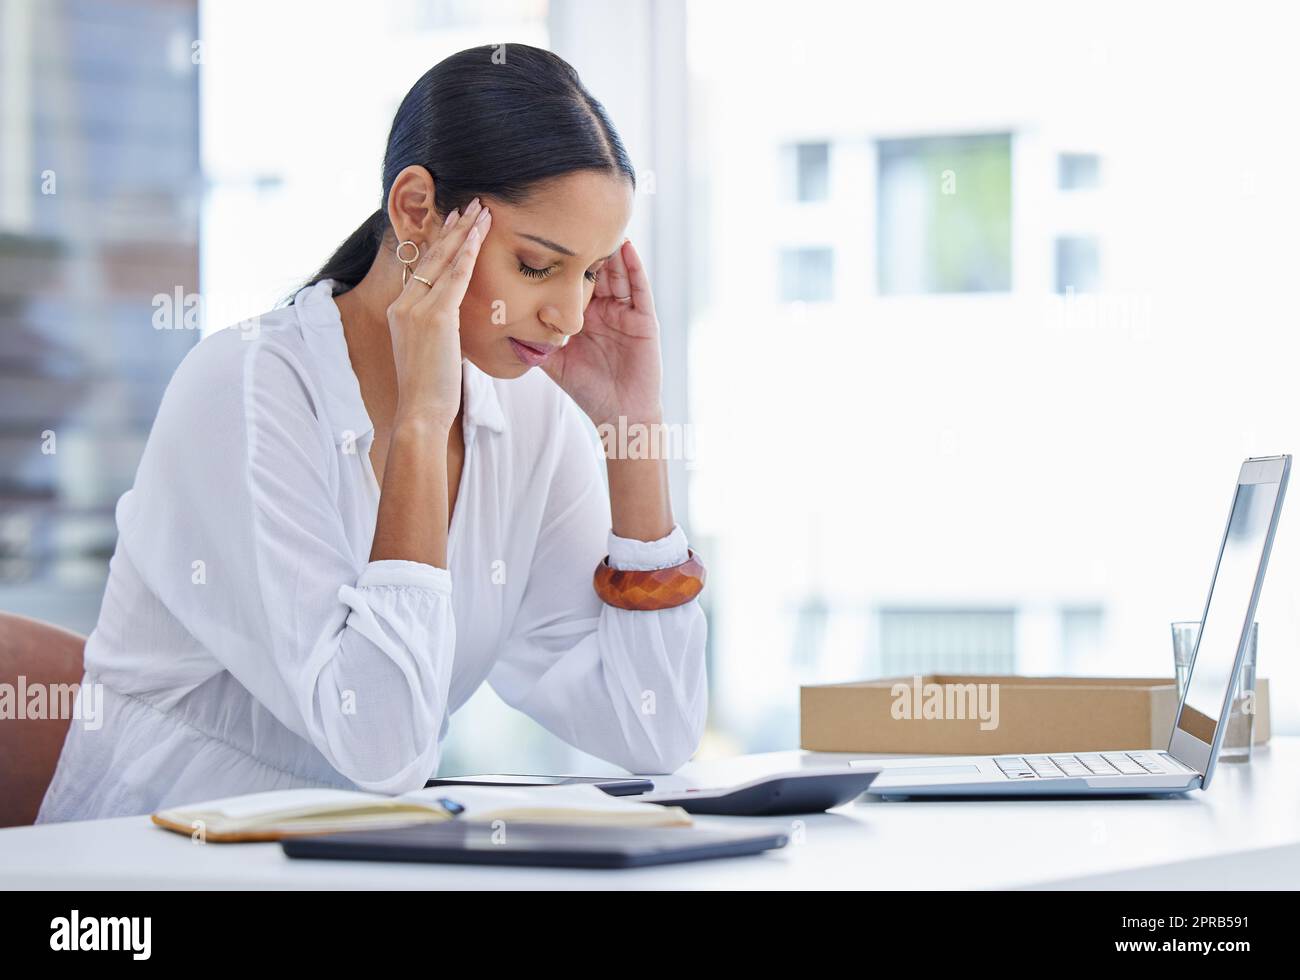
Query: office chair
{"type": "Point", "coordinates": [29, 748]}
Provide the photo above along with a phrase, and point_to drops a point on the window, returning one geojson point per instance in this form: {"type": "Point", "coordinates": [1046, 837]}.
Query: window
{"type": "Point", "coordinates": [1078, 266]}
{"type": "Point", "coordinates": [808, 171]}
{"type": "Point", "coordinates": [806, 274]}
{"type": "Point", "coordinates": [1078, 171]}
{"type": "Point", "coordinates": [944, 215]}
{"type": "Point", "coordinates": [1082, 636]}
{"type": "Point", "coordinates": [948, 641]}
{"type": "Point", "coordinates": [811, 620]}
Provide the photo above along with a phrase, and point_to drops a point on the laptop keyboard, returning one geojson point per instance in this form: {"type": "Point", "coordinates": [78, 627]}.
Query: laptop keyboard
{"type": "Point", "coordinates": [1085, 764]}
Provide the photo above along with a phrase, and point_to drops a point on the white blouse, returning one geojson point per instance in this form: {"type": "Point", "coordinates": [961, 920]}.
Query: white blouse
{"type": "Point", "coordinates": [246, 642]}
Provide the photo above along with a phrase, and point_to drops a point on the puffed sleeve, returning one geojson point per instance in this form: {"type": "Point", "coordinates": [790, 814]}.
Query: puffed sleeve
{"type": "Point", "coordinates": [234, 523]}
{"type": "Point", "coordinates": [625, 686]}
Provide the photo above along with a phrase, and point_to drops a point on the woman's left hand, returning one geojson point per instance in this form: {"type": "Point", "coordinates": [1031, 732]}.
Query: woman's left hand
{"type": "Point", "coordinates": [612, 366]}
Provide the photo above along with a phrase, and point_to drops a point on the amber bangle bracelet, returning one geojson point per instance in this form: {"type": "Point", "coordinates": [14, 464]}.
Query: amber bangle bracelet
{"type": "Point", "coordinates": [646, 591]}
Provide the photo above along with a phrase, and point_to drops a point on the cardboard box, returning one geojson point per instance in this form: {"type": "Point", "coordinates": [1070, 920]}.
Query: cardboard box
{"type": "Point", "coordinates": [989, 714]}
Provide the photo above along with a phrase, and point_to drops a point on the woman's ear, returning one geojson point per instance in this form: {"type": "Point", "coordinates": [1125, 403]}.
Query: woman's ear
{"type": "Point", "coordinates": [410, 205]}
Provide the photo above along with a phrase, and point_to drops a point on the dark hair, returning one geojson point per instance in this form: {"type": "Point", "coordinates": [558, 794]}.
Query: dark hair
{"type": "Point", "coordinates": [493, 120]}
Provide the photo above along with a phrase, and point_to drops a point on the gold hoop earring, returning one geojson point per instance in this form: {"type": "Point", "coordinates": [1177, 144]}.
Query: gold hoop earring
{"type": "Point", "coordinates": [407, 271]}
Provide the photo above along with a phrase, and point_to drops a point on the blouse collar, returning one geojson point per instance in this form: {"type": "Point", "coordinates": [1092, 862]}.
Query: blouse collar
{"type": "Point", "coordinates": [322, 329]}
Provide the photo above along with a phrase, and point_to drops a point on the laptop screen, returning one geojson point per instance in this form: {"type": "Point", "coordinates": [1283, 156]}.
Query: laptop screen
{"type": "Point", "coordinates": [1224, 624]}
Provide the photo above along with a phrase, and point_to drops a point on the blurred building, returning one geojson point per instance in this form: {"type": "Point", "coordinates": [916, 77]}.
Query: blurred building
{"type": "Point", "coordinates": [99, 202]}
{"type": "Point", "coordinates": [988, 311]}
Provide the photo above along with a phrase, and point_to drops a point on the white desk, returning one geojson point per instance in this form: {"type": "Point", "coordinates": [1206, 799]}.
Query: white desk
{"type": "Point", "coordinates": [1244, 832]}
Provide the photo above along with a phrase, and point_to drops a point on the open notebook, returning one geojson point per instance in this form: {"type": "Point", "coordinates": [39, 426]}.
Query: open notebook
{"type": "Point", "coordinates": [288, 813]}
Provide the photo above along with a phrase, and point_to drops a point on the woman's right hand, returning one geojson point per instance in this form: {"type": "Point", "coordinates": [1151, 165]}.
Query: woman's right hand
{"type": "Point", "coordinates": [424, 321]}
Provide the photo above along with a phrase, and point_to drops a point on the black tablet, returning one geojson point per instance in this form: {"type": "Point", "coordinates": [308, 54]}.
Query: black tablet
{"type": "Point", "coordinates": [545, 845]}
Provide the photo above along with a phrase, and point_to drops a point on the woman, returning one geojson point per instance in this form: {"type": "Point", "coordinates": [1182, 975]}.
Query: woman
{"type": "Point", "coordinates": [354, 510]}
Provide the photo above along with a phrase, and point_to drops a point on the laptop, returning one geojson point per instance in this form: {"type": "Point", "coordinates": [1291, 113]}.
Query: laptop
{"type": "Point", "coordinates": [1188, 762]}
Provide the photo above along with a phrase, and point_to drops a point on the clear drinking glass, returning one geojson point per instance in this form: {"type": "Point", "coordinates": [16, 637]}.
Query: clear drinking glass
{"type": "Point", "coordinates": [1239, 740]}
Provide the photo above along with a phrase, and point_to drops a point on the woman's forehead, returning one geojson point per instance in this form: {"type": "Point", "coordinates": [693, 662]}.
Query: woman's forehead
{"type": "Point", "coordinates": [582, 221]}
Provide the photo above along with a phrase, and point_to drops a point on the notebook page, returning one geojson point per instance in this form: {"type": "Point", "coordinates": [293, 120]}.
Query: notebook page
{"type": "Point", "coordinates": [272, 802]}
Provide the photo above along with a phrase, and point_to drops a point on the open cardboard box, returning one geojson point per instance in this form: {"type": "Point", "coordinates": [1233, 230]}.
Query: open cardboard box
{"type": "Point", "coordinates": [990, 714]}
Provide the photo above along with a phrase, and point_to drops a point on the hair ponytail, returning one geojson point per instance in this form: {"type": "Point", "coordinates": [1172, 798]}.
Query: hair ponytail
{"type": "Point", "coordinates": [495, 120]}
{"type": "Point", "coordinates": [352, 260]}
